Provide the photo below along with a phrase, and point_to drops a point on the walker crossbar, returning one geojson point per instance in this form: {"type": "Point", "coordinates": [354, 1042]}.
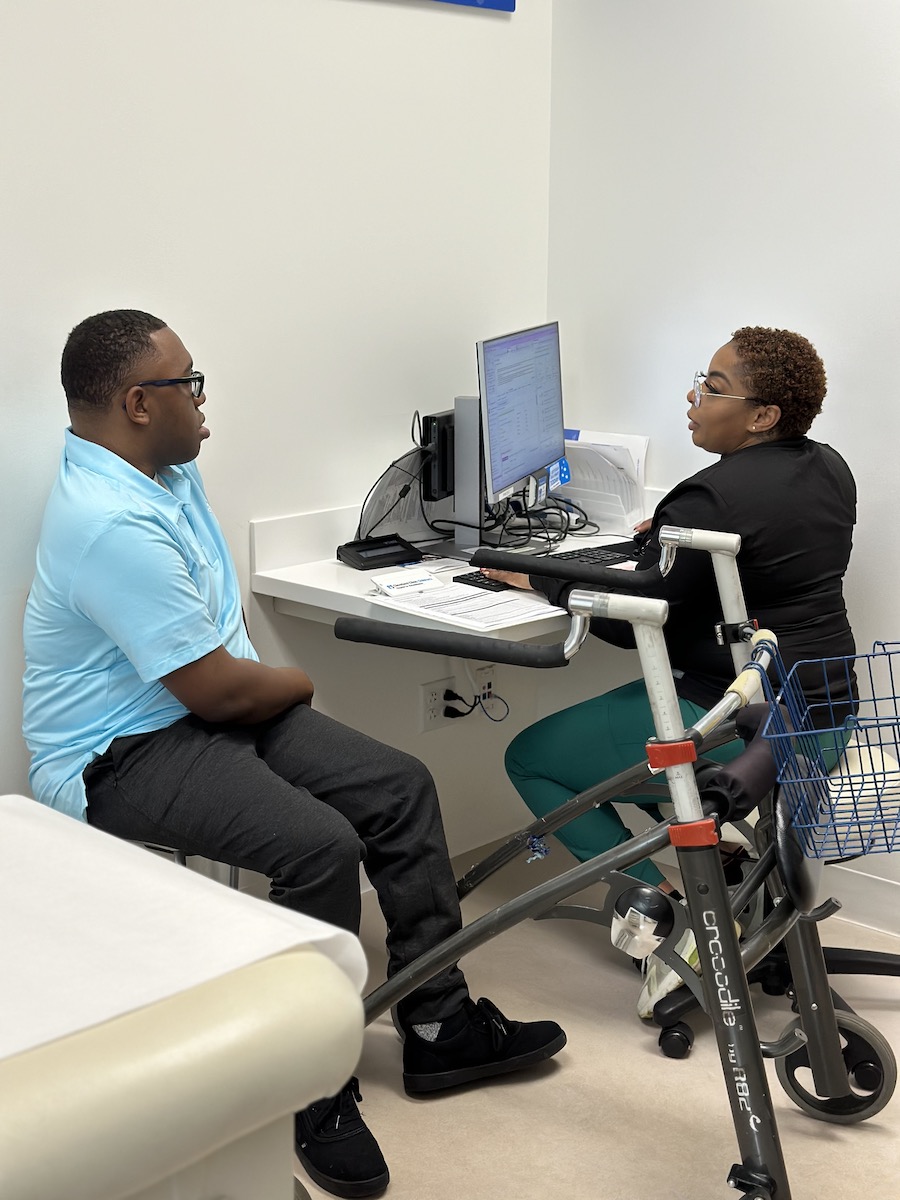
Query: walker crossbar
{"type": "Point", "coordinates": [636, 778]}
{"type": "Point", "coordinates": [537, 900]}
{"type": "Point", "coordinates": [733, 788]}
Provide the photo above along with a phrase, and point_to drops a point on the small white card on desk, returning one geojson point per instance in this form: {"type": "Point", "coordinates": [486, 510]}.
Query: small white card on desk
{"type": "Point", "coordinates": [406, 581]}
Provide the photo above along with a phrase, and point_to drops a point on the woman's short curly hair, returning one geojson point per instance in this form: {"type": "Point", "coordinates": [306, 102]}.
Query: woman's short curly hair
{"type": "Point", "coordinates": [782, 368]}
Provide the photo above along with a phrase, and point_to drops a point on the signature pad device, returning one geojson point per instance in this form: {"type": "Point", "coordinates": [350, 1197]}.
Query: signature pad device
{"type": "Point", "coordinates": [369, 553]}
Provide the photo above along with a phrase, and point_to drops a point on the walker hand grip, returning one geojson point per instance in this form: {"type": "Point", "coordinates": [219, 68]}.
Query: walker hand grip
{"type": "Point", "coordinates": [457, 645]}
{"type": "Point", "coordinates": [561, 568]}
{"type": "Point", "coordinates": [737, 787]}
{"type": "Point", "coordinates": [749, 683]}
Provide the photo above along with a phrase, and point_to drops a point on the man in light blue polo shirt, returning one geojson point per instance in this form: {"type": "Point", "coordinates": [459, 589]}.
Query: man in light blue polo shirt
{"type": "Point", "coordinates": [97, 653]}
{"type": "Point", "coordinates": [148, 714]}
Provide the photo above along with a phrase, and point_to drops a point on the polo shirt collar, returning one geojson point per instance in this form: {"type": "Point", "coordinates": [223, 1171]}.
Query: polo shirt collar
{"type": "Point", "coordinates": [92, 457]}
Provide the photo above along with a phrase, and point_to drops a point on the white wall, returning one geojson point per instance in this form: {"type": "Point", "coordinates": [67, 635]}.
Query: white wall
{"type": "Point", "coordinates": [716, 164]}
{"type": "Point", "coordinates": [329, 200]}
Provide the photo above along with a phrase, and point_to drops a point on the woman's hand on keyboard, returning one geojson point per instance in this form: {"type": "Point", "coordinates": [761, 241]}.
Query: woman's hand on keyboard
{"type": "Point", "coordinates": [513, 578]}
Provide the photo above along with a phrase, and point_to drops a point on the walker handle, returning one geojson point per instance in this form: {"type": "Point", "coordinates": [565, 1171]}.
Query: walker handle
{"type": "Point", "coordinates": [456, 645]}
{"type": "Point", "coordinates": [562, 568]}
{"type": "Point", "coordinates": [737, 787]}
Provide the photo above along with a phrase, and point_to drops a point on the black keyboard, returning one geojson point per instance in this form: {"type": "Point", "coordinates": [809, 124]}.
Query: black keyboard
{"type": "Point", "coordinates": [476, 579]}
{"type": "Point", "coordinates": [595, 556]}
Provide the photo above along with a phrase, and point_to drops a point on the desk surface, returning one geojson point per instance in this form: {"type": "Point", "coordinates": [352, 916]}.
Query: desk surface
{"type": "Point", "coordinates": [292, 560]}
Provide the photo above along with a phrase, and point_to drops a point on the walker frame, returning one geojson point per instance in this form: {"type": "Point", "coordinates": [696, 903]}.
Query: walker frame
{"type": "Point", "coordinates": [722, 988]}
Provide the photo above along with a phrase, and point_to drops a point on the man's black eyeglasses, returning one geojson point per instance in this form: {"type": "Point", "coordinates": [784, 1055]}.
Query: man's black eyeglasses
{"type": "Point", "coordinates": [196, 379]}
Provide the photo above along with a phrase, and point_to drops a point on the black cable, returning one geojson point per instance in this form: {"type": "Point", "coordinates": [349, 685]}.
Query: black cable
{"type": "Point", "coordinates": [415, 430]}
{"type": "Point", "coordinates": [535, 525]}
{"type": "Point", "coordinates": [451, 696]}
{"type": "Point", "coordinates": [434, 528]}
{"type": "Point", "coordinates": [401, 495]}
{"type": "Point", "coordinates": [495, 523]}
{"type": "Point", "coordinates": [395, 465]}
{"type": "Point", "coordinates": [496, 720]}
{"type": "Point", "coordinates": [555, 509]}
{"type": "Point", "coordinates": [587, 528]}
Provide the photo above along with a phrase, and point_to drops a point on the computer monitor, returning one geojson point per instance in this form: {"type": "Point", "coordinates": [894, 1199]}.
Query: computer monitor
{"type": "Point", "coordinates": [520, 384]}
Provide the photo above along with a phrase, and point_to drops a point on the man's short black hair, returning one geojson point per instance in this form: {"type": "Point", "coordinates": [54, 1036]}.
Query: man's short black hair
{"type": "Point", "coordinates": [100, 353]}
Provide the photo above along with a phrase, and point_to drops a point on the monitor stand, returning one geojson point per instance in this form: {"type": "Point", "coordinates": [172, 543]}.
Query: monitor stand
{"type": "Point", "coordinates": [468, 490]}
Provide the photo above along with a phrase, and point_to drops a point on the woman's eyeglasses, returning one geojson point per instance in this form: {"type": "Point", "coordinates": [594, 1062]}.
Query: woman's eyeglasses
{"type": "Point", "coordinates": [699, 391]}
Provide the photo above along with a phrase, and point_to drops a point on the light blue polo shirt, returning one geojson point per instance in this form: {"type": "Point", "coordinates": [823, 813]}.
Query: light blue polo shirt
{"type": "Point", "coordinates": [133, 580]}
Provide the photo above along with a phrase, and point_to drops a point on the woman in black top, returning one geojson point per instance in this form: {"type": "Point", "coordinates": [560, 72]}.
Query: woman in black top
{"type": "Point", "coordinates": [793, 502]}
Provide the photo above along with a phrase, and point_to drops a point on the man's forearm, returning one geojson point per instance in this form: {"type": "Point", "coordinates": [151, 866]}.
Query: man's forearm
{"type": "Point", "coordinates": [223, 689]}
{"type": "Point", "coordinates": [264, 691]}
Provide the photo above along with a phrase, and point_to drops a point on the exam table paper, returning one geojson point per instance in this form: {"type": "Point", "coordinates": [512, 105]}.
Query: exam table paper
{"type": "Point", "coordinates": [92, 927]}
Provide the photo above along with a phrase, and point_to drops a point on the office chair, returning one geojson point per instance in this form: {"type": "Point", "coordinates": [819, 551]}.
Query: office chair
{"type": "Point", "coordinates": [179, 856]}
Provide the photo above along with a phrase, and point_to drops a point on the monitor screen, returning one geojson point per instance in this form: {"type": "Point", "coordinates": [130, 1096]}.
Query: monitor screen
{"type": "Point", "coordinates": [520, 383]}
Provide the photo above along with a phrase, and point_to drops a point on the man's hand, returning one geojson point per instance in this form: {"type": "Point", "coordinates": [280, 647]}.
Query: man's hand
{"type": "Point", "coordinates": [222, 689]}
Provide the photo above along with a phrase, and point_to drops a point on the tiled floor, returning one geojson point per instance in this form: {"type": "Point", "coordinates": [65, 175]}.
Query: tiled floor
{"type": "Point", "coordinates": [610, 1118]}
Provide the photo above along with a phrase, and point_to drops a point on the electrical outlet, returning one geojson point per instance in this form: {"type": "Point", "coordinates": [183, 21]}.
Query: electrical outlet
{"type": "Point", "coordinates": [484, 682]}
{"type": "Point", "coordinates": [432, 704]}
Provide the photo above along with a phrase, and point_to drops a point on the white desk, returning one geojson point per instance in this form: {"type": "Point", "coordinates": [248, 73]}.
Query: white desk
{"type": "Point", "coordinates": [292, 560]}
{"type": "Point", "coordinates": [294, 574]}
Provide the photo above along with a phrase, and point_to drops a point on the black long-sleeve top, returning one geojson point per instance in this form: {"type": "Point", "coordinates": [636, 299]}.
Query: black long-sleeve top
{"type": "Point", "coordinates": [793, 502]}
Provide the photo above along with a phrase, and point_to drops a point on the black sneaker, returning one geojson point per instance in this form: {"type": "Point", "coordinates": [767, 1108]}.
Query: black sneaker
{"type": "Point", "coordinates": [478, 1044]}
{"type": "Point", "coordinates": [336, 1148]}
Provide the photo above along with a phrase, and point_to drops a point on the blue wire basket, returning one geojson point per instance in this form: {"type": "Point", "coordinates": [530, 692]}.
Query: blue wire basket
{"type": "Point", "coordinates": [839, 760]}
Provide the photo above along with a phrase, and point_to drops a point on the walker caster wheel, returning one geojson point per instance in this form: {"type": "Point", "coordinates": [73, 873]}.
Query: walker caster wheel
{"type": "Point", "coordinates": [867, 1076]}
{"type": "Point", "coordinates": [871, 1074]}
{"type": "Point", "coordinates": [675, 1041]}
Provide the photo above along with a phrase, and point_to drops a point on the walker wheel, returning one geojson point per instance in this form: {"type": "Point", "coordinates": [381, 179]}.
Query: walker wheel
{"type": "Point", "coordinates": [867, 1076]}
{"type": "Point", "coordinates": [871, 1074]}
{"type": "Point", "coordinates": [675, 1041]}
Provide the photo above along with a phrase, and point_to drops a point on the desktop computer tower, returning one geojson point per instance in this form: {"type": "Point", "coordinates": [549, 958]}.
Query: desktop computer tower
{"type": "Point", "coordinates": [438, 472]}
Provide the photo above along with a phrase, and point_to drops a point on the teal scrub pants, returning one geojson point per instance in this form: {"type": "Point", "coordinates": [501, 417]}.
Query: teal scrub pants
{"type": "Point", "coordinates": [571, 751]}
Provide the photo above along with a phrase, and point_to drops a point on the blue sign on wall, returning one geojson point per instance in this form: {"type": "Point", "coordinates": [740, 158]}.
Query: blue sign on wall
{"type": "Point", "coordinates": [502, 5]}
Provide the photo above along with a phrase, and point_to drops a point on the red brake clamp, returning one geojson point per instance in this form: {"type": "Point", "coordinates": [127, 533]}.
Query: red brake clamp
{"type": "Point", "coordinates": [695, 833]}
{"type": "Point", "coordinates": [670, 754]}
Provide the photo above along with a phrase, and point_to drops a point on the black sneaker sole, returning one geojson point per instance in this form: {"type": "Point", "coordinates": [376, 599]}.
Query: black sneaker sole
{"type": "Point", "coordinates": [352, 1189]}
{"type": "Point", "coordinates": [416, 1085]}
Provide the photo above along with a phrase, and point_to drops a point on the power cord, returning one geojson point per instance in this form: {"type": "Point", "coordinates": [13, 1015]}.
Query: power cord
{"type": "Point", "coordinates": [449, 697]}
{"type": "Point", "coordinates": [553, 521]}
{"type": "Point", "coordinates": [482, 704]}
{"type": "Point", "coordinates": [479, 701]}
{"type": "Point", "coordinates": [452, 713]}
